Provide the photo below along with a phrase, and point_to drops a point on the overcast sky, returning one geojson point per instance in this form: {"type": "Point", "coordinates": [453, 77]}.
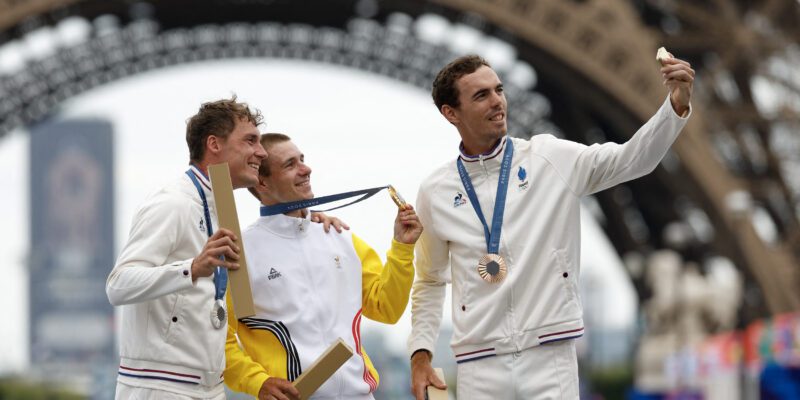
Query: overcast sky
{"type": "Point", "coordinates": [357, 130]}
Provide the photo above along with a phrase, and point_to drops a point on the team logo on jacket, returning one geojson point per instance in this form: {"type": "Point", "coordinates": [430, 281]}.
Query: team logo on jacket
{"type": "Point", "coordinates": [459, 200]}
{"type": "Point", "coordinates": [202, 225]}
{"type": "Point", "coordinates": [338, 262]}
{"type": "Point", "coordinates": [273, 274]}
{"type": "Point", "coordinates": [524, 184]}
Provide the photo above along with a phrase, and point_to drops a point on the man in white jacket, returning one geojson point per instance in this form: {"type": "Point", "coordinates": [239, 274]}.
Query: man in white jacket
{"type": "Point", "coordinates": [502, 223]}
{"type": "Point", "coordinates": [310, 288]}
{"type": "Point", "coordinates": [169, 278]}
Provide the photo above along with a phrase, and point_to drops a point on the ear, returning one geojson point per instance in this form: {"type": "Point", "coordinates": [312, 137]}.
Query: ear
{"type": "Point", "coordinates": [263, 185]}
{"type": "Point", "coordinates": [449, 114]}
{"type": "Point", "coordinates": [264, 189]}
{"type": "Point", "coordinates": [213, 144]}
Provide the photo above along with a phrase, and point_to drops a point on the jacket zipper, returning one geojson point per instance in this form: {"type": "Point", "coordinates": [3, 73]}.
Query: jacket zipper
{"type": "Point", "coordinates": [511, 326]}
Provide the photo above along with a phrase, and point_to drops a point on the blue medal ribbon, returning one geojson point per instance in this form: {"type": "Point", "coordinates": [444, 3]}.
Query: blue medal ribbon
{"type": "Point", "coordinates": [493, 236]}
{"type": "Point", "coordinates": [220, 274]}
{"type": "Point", "coordinates": [283, 208]}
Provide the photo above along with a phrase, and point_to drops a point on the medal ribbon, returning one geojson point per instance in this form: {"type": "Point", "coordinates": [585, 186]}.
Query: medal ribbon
{"type": "Point", "coordinates": [493, 236]}
{"type": "Point", "coordinates": [220, 274]}
{"type": "Point", "coordinates": [283, 208]}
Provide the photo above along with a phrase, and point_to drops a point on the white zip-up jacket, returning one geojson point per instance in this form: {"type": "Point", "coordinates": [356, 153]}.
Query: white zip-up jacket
{"type": "Point", "coordinates": [167, 341]}
{"type": "Point", "coordinates": [538, 301]}
{"type": "Point", "coordinates": [310, 288]}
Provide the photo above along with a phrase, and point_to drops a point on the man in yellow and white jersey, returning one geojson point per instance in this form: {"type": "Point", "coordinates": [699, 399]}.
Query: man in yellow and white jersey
{"type": "Point", "coordinates": [311, 288]}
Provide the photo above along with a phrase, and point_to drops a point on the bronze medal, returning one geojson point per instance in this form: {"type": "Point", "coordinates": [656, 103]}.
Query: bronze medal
{"type": "Point", "coordinates": [492, 268]}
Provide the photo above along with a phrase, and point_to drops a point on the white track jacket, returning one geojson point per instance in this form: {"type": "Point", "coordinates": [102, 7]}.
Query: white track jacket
{"type": "Point", "coordinates": [167, 341]}
{"type": "Point", "coordinates": [538, 301]}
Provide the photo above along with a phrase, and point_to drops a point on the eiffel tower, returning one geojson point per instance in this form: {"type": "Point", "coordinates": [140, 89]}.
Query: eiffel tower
{"type": "Point", "coordinates": [731, 182]}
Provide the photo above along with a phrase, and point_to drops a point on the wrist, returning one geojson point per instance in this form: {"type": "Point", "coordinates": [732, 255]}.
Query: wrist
{"type": "Point", "coordinates": [421, 356]}
{"type": "Point", "coordinates": [680, 109]}
{"type": "Point", "coordinates": [193, 270]}
{"type": "Point", "coordinates": [402, 241]}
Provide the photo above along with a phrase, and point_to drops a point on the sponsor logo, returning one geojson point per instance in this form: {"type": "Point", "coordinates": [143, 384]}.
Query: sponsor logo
{"type": "Point", "coordinates": [459, 200]}
{"type": "Point", "coordinates": [338, 262]}
{"type": "Point", "coordinates": [202, 225]}
{"type": "Point", "coordinates": [524, 184]}
{"type": "Point", "coordinates": [273, 274]}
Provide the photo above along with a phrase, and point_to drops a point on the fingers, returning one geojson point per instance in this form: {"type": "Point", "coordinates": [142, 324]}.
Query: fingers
{"type": "Point", "coordinates": [204, 265]}
{"type": "Point", "coordinates": [674, 61]}
{"type": "Point", "coordinates": [280, 389]}
{"type": "Point", "coordinates": [420, 385]}
{"type": "Point", "coordinates": [408, 218]}
{"type": "Point", "coordinates": [220, 250]}
{"type": "Point", "coordinates": [223, 232]}
{"type": "Point", "coordinates": [682, 76]}
{"type": "Point", "coordinates": [210, 262]}
{"type": "Point", "coordinates": [291, 391]}
{"type": "Point", "coordinates": [677, 70]}
{"type": "Point", "coordinates": [334, 222]}
{"type": "Point", "coordinates": [339, 225]}
{"type": "Point", "coordinates": [223, 245]}
{"type": "Point", "coordinates": [328, 222]}
{"type": "Point", "coordinates": [284, 390]}
{"type": "Point", "coordinates": [407, 213]}
{"type": "Point", "coordinates": [407, 226]}
{"type": "Point", "coordinates": [321, 218]}
{"type": "Point", "coordinates": [421, 374]}
{"type": "Point", "coordinates": [229, 251]}
{"type": "Point", "coordinates": [436, 382]}
{"type": "Point", "coordinates": [418, 390]}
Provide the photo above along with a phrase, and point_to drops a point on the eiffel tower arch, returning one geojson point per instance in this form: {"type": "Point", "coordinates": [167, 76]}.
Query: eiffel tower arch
{"type": "Point", "coordinates": [596, 80]}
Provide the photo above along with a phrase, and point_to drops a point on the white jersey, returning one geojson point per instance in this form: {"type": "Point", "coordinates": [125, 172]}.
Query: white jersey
{"type": "Point", "coordinates": [538, 302]}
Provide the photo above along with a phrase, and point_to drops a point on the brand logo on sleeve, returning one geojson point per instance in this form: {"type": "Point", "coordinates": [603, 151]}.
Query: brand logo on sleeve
{"type": "Point", "coordinates": [273, 274]}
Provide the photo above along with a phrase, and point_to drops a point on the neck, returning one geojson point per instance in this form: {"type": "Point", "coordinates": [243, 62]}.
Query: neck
{"type": "Point", "coordinates": [301, 213]}
{"type": "Point", "coordinates": [202, 166]}
{"type": "Point", "coordinates": [474, 148]}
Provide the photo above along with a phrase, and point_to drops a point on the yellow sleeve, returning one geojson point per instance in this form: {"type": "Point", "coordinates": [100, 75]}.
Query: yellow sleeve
{"type": "Point", "coordinates": [385, 288]}
{"type": "Point", "coordinates": [242, 374]}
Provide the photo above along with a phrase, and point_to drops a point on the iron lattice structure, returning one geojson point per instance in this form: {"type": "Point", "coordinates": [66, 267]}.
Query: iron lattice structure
{"type": "Point", "coordinates": [737, 160]}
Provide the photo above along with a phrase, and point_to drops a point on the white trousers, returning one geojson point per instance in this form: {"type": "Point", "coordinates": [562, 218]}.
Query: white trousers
{"type": "Point", "coordinates": [125, 392]}
{"type": "Point", "coordinates": [546, 372]}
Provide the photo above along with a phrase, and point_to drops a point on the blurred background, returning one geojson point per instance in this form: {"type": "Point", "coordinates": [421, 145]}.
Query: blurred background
{"type": "Point", "coordinates": [690, 276]}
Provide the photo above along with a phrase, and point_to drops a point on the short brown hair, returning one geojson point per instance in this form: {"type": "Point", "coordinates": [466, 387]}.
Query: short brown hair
{"type": "Point", "coordinates": [267, 141]}
{"type": "Point", "coordinates": [216, 118]}
{"type": "Point", "coordinates": [444, 89]}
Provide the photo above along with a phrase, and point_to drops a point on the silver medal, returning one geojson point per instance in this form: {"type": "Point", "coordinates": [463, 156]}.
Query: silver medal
{"type": "Point", "coordinates": [218, 314]}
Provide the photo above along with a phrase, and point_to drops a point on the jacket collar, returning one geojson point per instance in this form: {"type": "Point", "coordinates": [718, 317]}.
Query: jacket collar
{"type": "Point", "coordinates": [286, 226]}
{"type": "Point", "coordinates": [493, 153]}
{"type": "Point", "coordinates": [201, 177]}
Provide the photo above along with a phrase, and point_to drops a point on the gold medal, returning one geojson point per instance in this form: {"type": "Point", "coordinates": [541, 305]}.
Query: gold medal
{"type": "Point", "coordinates": [492, 268]}
{"type": "Point", "coordinates": [401, 203]}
